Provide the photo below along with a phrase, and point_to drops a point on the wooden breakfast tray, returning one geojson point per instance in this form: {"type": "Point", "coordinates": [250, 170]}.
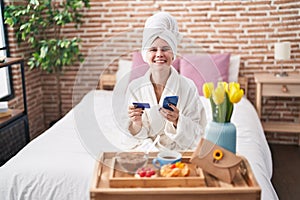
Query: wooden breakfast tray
{"type": "Point", "coordinates": [244, 185]}
{"type": "Point", "coordinates": [120, 179]}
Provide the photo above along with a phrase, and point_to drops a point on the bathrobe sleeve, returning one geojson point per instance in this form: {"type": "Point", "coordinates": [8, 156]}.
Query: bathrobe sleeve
{"type": "Point", "coordinates": [192, 118]}
{"type": "Point", "coordinates": [133, 95]}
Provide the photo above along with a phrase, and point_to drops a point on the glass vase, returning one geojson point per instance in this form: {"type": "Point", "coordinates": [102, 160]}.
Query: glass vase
{"type": "Point", "coordinates": [222, 134]}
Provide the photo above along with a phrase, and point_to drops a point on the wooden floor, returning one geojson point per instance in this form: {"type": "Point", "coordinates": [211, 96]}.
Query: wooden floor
{"type": "Point", "coordinates": [286, 171]}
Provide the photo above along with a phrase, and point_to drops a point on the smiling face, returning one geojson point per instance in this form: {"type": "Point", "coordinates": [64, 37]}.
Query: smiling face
{"type": "Point", "coordinates": [160, 54]}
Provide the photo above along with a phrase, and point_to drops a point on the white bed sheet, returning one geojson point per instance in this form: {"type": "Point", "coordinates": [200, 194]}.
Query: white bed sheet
{"type": "Point", "coordinates": [59, 164]}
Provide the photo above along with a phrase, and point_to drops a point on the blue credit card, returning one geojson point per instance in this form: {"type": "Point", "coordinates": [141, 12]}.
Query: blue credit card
{"type": "Point", "coordinates": [141, 105]}
{"type": "Point", "coordinates": [170, 100]}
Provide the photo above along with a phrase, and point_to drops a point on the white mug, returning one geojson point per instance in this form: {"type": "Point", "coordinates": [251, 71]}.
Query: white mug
{"type": "Point", "coordinates": [166, 157]}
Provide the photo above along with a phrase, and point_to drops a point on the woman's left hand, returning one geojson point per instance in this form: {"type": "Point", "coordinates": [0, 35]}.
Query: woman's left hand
{"type": "Point", "coordinates": [171, 116]}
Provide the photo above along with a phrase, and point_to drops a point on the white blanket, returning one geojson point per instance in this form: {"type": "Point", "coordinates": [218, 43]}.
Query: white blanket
{"type": "Point", "coordinates": [59, 164]}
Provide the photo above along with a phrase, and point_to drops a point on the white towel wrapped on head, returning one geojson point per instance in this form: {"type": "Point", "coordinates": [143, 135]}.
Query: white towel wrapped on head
{"type": "Point", "coordinates": [164, 26]}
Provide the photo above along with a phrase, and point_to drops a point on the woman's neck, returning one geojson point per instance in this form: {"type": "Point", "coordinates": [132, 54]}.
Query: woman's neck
{"type": "Point", "coordinates": [158, 89]}
{"type": "Point", "coordinates": [159, 80]}
{"type": "Point", "coordinates": [160, 77]}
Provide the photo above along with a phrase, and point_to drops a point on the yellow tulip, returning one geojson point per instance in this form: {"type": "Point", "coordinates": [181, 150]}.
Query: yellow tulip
{"type": "Point", "coordinates": [207, 89]}
{"type": "Point", "coordinates": [225, 85]}
{"type": "Point", "coordinates": [235, 93]}
{"type": "Point", "coordinates": [219, 94]}
{"type": "Point", "coordinates": [222, 99]}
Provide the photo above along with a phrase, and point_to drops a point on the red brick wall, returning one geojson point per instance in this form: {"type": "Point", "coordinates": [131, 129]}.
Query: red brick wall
{"type": "Point", "coordinates": [112, 29]}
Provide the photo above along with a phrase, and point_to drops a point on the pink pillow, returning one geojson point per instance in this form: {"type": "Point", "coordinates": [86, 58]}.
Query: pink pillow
{"type": "Point", "coordinates": [176, 64]}
{"type": "Point", "coordinates": [140, 67]}
{"type": "Point", "coordinates": [205, 68]}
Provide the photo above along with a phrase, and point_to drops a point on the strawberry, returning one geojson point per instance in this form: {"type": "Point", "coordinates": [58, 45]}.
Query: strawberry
{"type": "Point", "coordinates": [148, 174]}
{"type": "Point", "coordinates": [142, 173]}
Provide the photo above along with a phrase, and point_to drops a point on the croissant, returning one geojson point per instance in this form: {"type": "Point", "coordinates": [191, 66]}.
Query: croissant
{"type": "Point", "coordinates": [175, 170]}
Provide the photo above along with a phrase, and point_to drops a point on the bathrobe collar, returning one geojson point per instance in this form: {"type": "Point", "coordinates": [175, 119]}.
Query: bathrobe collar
{"type": "Point", "coordinates": [171, 87]}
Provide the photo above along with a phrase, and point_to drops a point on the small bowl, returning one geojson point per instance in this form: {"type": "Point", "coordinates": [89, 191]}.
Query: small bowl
{"type": "Point", "coordinates": [130, 162]}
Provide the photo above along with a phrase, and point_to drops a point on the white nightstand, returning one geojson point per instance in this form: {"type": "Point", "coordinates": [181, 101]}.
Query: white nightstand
{"type": "Point", "coordinates": [268, 85]}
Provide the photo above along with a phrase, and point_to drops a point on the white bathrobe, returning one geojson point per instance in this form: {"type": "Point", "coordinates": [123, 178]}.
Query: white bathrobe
{"type": "Point", "coordinates": [191, 121]}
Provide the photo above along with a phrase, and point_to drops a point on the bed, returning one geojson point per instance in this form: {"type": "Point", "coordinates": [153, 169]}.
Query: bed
{"type": "Point", "coordinates": [59, 163]}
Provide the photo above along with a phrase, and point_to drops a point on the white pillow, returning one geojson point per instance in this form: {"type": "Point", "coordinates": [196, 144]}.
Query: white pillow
{"type": "Point", "coordinates": [123, 72]}
{"type": "Point", "coordinates": [234, 67]}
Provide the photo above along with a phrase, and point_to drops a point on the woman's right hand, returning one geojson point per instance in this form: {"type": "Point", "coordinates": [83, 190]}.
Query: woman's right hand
{"type": "Point", "coordinates": [135, 116]}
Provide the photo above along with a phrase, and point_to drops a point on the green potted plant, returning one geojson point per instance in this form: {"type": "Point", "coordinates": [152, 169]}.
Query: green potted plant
{"type": "Point", "coordinates": [39, 23]}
